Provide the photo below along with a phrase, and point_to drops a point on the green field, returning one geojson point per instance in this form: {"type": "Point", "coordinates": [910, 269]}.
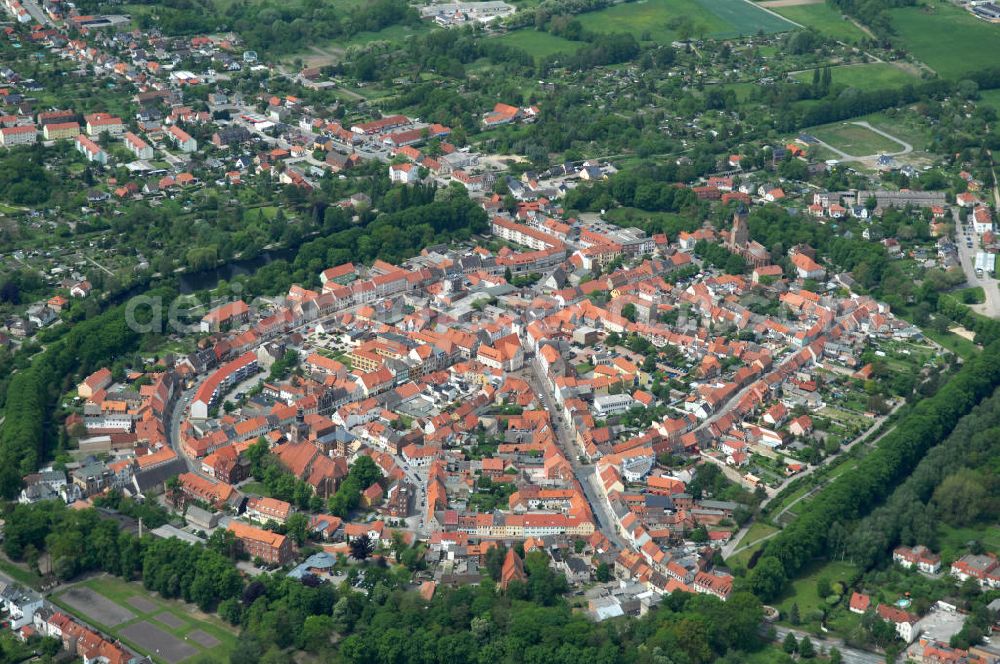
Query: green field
{"type": "Point", "coordinates": [921, 31]}
{"type": "Point", "coordinates": [803, 589]}
{"type": "Point", "coordinates": [175, 617]}
{"type": "Point", "coordinates": [953, 540]}
{"type": "Point", "coordinates": [824, 19]}
{"type": "Point", "coordinates": [990, 98]}
{"type": "Point", "coordinates": [854, 140]}
{"type": "Point", "coordinates": [864, 77]}
{"type": "Point", "coordinates": [648, 19]}
{"type": "Point", "coordinates": [539, 44]}
{"type": "Point", "coordinates": [753, 541]}
{"type": "Point", "coordinates": [904, 125]}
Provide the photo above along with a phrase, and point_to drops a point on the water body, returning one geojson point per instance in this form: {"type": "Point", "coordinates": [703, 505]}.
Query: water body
{"type": "Point", "coordinates": [191, 282]}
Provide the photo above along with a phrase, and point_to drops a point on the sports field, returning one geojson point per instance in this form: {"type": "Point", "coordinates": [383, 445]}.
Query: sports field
{"type": "Point", "coordinates": [854, 140]}
{"type": "Point", "coordinates": [169, 631]}
{"type": "Point", "coordinates": [539, 44]}
{"type": "Point", "coordinates": [824, 19]}
{"type": "Point", "coordinates": [865, 77]}
{"type": "Point", "coordinates": [649, 19]}
{"type": "Point", "coordinates": [971, 45]}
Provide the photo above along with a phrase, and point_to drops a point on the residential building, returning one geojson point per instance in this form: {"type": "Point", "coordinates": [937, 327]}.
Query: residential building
{"type": "Point", "coordinates": [56, 131]}
{"type": "Point", "coordinates": [91, 150]}
{"type": "Point", "coordinates": [100, 123]}
{"type": "Point", "coordinates": [919, 556]}
{"type": "Point", "coordinates": [21, 135]}
{"type": "Point", "coordinates": [272, 548]}
{"type": "Point", "coordinates": [182, 139]}
{"type": "Point", "coordinates": [137, 146]}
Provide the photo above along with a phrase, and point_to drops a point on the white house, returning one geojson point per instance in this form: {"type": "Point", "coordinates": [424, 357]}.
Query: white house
{"type": "Point", "coordinates": [404, 173]}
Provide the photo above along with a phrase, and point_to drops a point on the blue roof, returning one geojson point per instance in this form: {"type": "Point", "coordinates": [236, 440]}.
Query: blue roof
{"type": "Point", "coordinates": [321, 560]}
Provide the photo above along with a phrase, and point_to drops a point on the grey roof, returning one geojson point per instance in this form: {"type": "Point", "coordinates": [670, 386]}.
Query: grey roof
{"type": "Point", "coordinates": [149, 479]}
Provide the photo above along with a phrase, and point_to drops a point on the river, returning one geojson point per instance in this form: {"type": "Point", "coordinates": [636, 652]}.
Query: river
{"type": "Point", "coordinates": [191, 282]}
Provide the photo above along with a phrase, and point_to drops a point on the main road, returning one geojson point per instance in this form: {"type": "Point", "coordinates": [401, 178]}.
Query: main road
{"type": "Point", "coordinates": [967, 256]}
{"type": "Point", "coordinates": [586, 474]}
{"type": "Point", "coordinates": [849, 655]}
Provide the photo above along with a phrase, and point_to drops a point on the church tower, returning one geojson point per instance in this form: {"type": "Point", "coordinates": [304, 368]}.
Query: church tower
{"type": "Point", "coordinates": [740, 235]}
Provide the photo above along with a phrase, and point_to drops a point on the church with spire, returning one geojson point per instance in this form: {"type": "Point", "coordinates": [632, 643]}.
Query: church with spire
{"type": "Point", "coordinates": [738, 241]}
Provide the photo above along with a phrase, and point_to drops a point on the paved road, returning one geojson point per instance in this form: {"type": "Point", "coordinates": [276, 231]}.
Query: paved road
{"type": "Point", "coordinates": [732, 546]}
{"type": "Point", "coordinates": [967, 256]}
{"type": "Point", "coordinates": [36, 12]}
{"type": "Point", "coordinates": [843, 156]}
{"type": "Point", "coordinates": [850, 655]}
{"type": "Point", "coordinates": [586, 474]}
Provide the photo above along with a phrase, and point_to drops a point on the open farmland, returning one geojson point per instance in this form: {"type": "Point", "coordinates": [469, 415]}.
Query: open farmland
{"type": "Point", "coordinates": [649, 19]}
{"type": "Point", "coordinates": [539, 44]}
{"type": "Point", "coordinates": [865, 77]}
{"type": "Point", "coordinates": [823, 18]}
{"type": "Point", "coordinates": [920, 29]}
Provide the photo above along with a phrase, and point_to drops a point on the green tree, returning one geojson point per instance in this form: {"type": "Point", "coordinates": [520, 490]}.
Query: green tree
{"type": "Point", "coordinates": [790, 645]}
{"type": "Point", "coordinates": [362, 547]}
{"type": "Point", "coordinates": [603, 572]}
{"type": "Point", "coordinates": [766, 579]}
{"type": "Point", "coordinates": [806, 650]}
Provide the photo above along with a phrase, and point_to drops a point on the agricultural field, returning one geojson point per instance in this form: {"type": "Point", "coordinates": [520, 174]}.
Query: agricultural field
{"type": "Point", "coordinates": [539, 44]}
{"type": "Point", "coordinates": [990, 98]}
{"type": "Point", "coordinates": [920, 29]}
{"type": "Point", "coordinates": [170, 631]}
{"type": "Point", "coordinates": [824, 19]}
{"type": "Point", "coordinates": [864, 77]}
{"type": "Point", "coordinates": [648, 19]}
{"type": "Point", "coordinates": [854, 139]}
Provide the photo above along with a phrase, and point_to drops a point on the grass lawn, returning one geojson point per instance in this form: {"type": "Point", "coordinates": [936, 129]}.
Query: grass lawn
{"type": "Point", "coordinates": [865, 77]}
{"type": "Point", "coordinates": [953, 540]}
{"type": "Point", "coordinates": [20, 574]}
{"type": "Point", "coordinates": [256, 488]}
{"type": "Point", "coordinates": [956, 344]}
{"type": "Point", "coordinates": [648, 19]}
{"type": "Point", "coordinates": [920, 30]}
{"type": "Point", "coordinates": [824, 19]}
{"type": "Point", "coordinates": [974, 295]}
{"type": "Point", "coordinates": [803, 589]}
{"type": "Point", "coordinates": [758, 530]}
{"type": "Point", "coordinates": [854, 140]}
{"type": "Point", "coordinates": [394, 33]}
{"type": "Point", "coordinates": [186, 616]}
{"type": "Point", "coordinates": [904, 125]}
{"type": "Point", "coordinates": [584, 368]}
{"type": "Point", "coordinates": [752, 540]}
{"type": "Point", "coordinates": [775, 508]}
{"type": "Point", "coordinates": [539, 44]}
{"type": "Point", "coordinates": [990, 98]}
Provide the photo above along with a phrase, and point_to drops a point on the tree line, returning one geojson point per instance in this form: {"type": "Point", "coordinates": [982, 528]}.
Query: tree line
{"type": "Point", "coordinates": [854, 493]}
{"type": "Point", "coordinates": [375, 616]}
{"type": "Point", "coordinates": [29, 433]}
{"type": "Point", "coordinates": [955, 483]}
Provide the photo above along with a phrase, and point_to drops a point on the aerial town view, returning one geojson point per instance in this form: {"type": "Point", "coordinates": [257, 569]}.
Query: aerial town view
{"type": "Point", "coordinates": [541, 331]}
